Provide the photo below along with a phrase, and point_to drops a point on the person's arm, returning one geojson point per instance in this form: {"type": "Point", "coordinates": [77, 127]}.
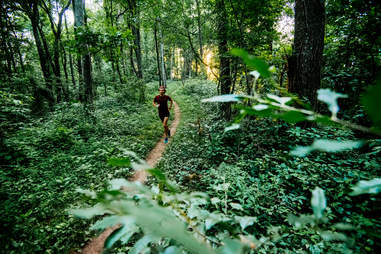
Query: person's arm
{"type": "Point", "coordinates": [155, 104]}
{"type": "Point", "coordinates": [170, 105]}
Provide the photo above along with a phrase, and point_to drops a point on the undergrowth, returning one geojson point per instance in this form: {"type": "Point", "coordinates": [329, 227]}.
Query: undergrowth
{"type": "Point", "coordinates": [252, 166]}
{"type": "Point", "coordinates": [44, 162]}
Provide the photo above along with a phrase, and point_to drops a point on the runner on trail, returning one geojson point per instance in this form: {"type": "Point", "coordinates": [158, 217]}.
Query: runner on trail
{"type": "Point", "coordinates": [161, 102]}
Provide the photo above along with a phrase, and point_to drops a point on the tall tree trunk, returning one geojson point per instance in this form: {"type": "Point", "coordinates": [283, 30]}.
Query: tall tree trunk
{"type": "Point", "coordinates": [135, 27]}
{"type": "Point", "coordinates": [87, 69]}
{"type": "Point", "coordinates": [163, 72]}
{"type": "Point", "coordinates": [202, 67]}
{"type": "Point", "coordinates": [132, 62]}
{"type": "Point", "coordinates": [70, 59]}
{"type": "Point", "coordinates": [222, 35]}
{"type": "Point", "coordinates": [119, 73]}
{"type": "Point", "coordinates": [33, 15]}
{"type": "Point", "coordinates": [57, 30]}
{"type": "Point", "coordinates": [171, 64]}
{"type": "Point", "coordinates": [79, 20]}
{"type": "Point", "coordinates": [308, 49]}
{"type": "Point", "coordinates": [66, 83]}
{"type": "Point", "coordinates": [157, 53]}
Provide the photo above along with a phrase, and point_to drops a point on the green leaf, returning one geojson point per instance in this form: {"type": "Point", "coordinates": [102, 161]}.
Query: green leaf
{"type": "Point", "coordinates": [292, 116]}
{"type": "Point", "coordinates": [115, 236]}
{"type": "Point", "coordinates": [172, 250]}
{"type": "Point", "coordinates": [118, 183]}
{"type": "Point", "coordinates": [234, 126]}
{"type": "Point", "coordinates": [300, 221]}
{"type": "Point", "coordinates": [215, 200]}
{"type": "Point", "coordinates": [372, 103]}
{"type": "Point", "coordinates": [213, 219]}
{"type": "Point", "coordinates": [236, 206]}
{"type": "Point", "coordinates": [161, 222]}
{"type": "Point", "coordinates": [301, 151]}
{"type": "Point", "coordinates": [88, 213]}
{"type": "Point", "coordinates": [159, 175]}
{"type": "Point", "coordinates": [333, 236]}
{"type": "Point", "coordinates": [119, 162]}
{"type": "Point", "coordinates": [88, 193]}
{"type": "Point", "coordinates": [106, 222]}
{"type": "Point", "coordinates": [252, 62]}
{"type": "Point", "coordinates": [132, 229]}
{"type": "Point", "coordinates": [223, 98]}
{"type": "Point", "coordinates": [330, 98]}
{"type": "Point", "coordinates": [280, 100]}
{"type": "Point", "coordinates": [367, 187]}
{"type": "Point", "coordinates": [326, 145]}
{"type": "Point", "coordinates": [142, 244]}
{"type": "Point", "coordinates": [193, 212]}
{"type": "Point", "coordinates": [318, 202]}
{"type": "Point", "coordinates": [260, 107]}
{"type": "Point", "coordinates": [231, 246]}
{"type": "Point", "coordinates": [245, 221]}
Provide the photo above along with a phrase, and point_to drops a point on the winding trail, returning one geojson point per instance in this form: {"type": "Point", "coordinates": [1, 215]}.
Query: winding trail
{"type": "Point", "coordinates": [95, 246]}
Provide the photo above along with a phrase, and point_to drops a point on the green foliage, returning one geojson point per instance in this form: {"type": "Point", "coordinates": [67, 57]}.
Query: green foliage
{"type": "Point", "coordinates": [323, 145]}
{"type": "Point", "coordinates": [252, 62]}
{"type": "Point", "coordinates": [371, 187]}
{"type": "Point", "coordinates": [318, 202]}
{"type": "Point", "coordinates": [371, 102]}
{"type": "Point", "coordinates": [269, 185]}
{"type": "Point", "coordinates": [47, 161]}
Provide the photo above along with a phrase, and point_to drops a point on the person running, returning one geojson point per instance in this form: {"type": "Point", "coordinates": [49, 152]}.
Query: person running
{"type": "Point", "coordinates": [161, 102]}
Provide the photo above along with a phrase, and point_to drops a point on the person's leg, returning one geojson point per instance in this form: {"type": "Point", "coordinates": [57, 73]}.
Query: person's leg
{"type": "Point", "coordinates": [165, 124]}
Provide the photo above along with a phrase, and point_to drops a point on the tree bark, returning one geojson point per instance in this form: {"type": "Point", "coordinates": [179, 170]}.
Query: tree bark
{"type": "Point", "coordinates": [222, 35]}
{"type": "Point", "coordinates": [157, 52]}
{"type": "Point", "coordinates": [306, 62]}
{"type": "Point", "coordinates": [163, 72]}
{"type": "Point", "coordinates": [70, 59]}
{"type": "Point", "coordinates": [79, 20]}
{"type": "Point", "coordinates": [199, 35]}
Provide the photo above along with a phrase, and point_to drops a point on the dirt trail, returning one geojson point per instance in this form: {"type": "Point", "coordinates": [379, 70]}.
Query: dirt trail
{"type": "Point", "coordinates": [95, 246]}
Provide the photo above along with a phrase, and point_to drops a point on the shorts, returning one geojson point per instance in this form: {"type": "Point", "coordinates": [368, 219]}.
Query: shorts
{"type": "Point", "coordinates": [162, 115]}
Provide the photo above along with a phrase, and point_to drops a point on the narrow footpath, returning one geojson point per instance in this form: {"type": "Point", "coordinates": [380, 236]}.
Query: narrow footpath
{"type": "Point", "coordinates": [95, 246]}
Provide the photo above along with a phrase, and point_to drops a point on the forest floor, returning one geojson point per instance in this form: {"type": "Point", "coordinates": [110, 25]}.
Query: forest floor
{"type": "Point", "coordinates": [95, 246]}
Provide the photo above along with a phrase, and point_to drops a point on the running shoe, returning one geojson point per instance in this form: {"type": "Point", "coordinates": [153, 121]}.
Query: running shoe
{"type": "Point", "coordinates": [165, 140]}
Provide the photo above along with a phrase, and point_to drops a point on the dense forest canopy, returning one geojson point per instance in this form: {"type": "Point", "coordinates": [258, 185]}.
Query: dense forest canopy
{"type": "Point", "coordinates": [277, 147]}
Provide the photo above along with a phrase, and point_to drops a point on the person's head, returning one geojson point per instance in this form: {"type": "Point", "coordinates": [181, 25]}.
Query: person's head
{"type": "Point", "coordinates": [162, 90]}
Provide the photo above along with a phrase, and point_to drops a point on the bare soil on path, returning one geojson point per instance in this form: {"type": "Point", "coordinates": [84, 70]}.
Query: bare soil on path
{"type": "Point", "coordinates": [95, 246]}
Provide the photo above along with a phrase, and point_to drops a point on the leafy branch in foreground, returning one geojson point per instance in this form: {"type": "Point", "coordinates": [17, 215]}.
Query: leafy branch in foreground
{"type": "Point", "coordinates": [172, 222]}
{"type": "Point", "coordinates": [277, 107]}
{"type": "Point", "coordinates": [165, 220]}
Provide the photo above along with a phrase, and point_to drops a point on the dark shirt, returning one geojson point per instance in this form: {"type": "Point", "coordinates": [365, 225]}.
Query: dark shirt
{"type": "Point", "coordinates": [163, 101]}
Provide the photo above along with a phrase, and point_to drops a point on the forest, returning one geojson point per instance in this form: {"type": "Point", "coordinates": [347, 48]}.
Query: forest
{"type": "Point", "coordinates": [272, 144]}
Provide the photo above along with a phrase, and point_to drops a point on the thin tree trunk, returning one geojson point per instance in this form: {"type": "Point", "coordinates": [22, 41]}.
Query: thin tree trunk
{"type": "Point", "coordinates": [119, 73]}
{"type": "Point", "coordinates": [199, 34]}
{"type": "Point", "coordinates": [44, 58]}
{"type": "Point", "coordinates": [163, 72]}
{"type": "Point", "coordinates": [70, 59]}
{"type": "Point", "coordinates": [64, 65]}
{"type": "Point", "coordinates": [132, 62]}
{"type": "Point", "coordinates": [157, 53]}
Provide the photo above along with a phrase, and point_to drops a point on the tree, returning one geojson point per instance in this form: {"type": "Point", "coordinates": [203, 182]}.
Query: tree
{"type": "Point", "coordinates": [57, 30]}
{"type": "Point", "coordinates": [85, 59]}
{"type": "Point", "coordinates": [222, 35]}
{"type": "Point", "coordinates": [305, 64]}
